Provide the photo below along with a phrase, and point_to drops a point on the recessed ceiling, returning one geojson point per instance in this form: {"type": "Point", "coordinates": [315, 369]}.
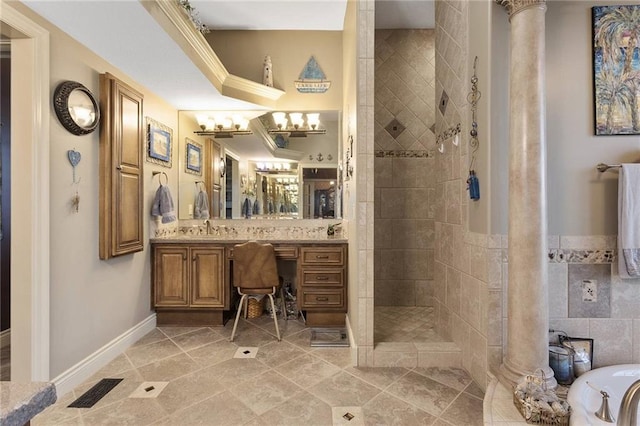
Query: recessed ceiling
{"type": "Point", "coordinates": [271, 14]}
{"type": "Point", "coordinates": [129, 38]}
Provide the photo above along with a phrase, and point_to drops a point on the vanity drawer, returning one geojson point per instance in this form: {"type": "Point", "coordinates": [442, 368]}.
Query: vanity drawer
{"type": "Point", "coordinates": [322, 298]}
{"type": "Point", "coordinates": [325, 277]}
{"type": "Point", "coordinates": [282, 252]}
{"type": "Point", "coordinates": [322, 255]}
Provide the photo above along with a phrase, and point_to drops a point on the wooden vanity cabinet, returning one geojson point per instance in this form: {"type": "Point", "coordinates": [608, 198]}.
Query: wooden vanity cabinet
{"type": "Point", "coordinates": [323, 285]}
{"type": "Point", "coordinates": [188, 284]}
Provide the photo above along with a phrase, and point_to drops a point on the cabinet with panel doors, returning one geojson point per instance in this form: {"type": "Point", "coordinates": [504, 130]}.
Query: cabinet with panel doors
{"type": "Point", "coordinates": [188, 284]}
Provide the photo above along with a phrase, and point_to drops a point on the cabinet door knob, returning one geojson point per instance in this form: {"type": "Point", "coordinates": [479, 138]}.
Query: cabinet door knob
{"type": "Point", "coordinates": [184, 257]}
{"type": "Point", "coordinates": [322, 256]}
{"type": "Point", "coordinates": [118, 167]}
{"type": "Point", "coordinates": [322, 299]}
{"type": "Point", "coordinates": [322, 278]}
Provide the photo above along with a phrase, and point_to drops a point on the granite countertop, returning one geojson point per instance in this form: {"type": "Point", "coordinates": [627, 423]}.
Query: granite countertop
{"type": "Point", "coordinates": [239, 240]}
{"type": "Point", "coordinates": [20, 402]}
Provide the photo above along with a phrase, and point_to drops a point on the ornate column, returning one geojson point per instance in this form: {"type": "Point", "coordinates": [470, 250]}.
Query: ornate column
{"type": "Point", "coordinates": [528, 318]}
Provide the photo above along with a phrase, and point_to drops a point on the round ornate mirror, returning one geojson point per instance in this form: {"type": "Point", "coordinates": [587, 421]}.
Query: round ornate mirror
{"type": "Point", "coordinates": [76, 108]}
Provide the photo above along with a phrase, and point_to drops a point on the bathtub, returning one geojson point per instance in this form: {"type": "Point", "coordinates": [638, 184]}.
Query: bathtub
{"type": "Point", "coordinates": [585, 401]}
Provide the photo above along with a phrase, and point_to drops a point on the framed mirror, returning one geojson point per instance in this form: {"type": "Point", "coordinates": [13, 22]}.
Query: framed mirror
{"type": "Point", "coordinates": [76, 108]}
{"type": "Point", "coordinates": [269, 170]}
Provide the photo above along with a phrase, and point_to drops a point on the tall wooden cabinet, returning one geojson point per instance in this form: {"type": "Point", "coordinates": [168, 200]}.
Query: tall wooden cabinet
{"type": "Point", "coordinates": [121, 184]}
{"type": "Point", "coordinates": [188, 281]}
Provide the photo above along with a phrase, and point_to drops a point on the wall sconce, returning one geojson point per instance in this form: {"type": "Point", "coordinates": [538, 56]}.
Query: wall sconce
{"type": "Point", "coordinates": [223, 167]}
{"type": "Point", "coordinates": [223, 126]}
{"type": "Point", "coordinates": [297, 129]}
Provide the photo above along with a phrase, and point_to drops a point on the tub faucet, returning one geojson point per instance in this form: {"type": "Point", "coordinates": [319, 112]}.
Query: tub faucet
{"type": "Point", "coordinates": [604, 413]}
{"type": "Point", "coordinates": [628, 414]}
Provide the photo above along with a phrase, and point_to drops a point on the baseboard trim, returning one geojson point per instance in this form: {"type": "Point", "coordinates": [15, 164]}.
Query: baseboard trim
{"type": "Point", "coordinates": [352, 342]}
{"type": "Point", "coordinates": [80, 372]}
{"type": "Point", "coordinates": [5, 338]}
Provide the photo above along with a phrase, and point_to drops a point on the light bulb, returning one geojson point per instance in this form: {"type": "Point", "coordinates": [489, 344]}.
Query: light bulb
{"type": "Point", "coordinates": [280, 118]}
{"type": "Point", "coordinates": [296, 119]}
{"type": "Point", "coordinates": [313, 120]}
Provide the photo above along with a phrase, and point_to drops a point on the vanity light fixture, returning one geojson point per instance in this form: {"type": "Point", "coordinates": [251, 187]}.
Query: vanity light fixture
{"type": "Point", "coordinates": [223, 126]}
{"type": "Point", "coordinates": [273, 167]}
{"type": "Point", "coordinates": [297, 129]}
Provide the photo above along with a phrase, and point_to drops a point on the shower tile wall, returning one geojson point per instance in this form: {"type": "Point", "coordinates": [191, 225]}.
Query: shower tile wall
{"type": "Point", "coordinates": [466, 276]}
{"type": "Point", "coordinates": [404, 167]}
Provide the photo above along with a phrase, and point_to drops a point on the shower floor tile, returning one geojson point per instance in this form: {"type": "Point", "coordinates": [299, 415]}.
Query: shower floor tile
{"type": "Point", "coordinates": [405, 324]}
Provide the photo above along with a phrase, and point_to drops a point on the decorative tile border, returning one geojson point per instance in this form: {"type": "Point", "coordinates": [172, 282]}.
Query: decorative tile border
{"type": "Point", "coordinates": [582, 256]}
{"type": "Point", "coordinates": [166, 232]}
{"type": "Point", "coordinates": [255, 232]}
{"type": "Point", "coordinates": [380, 153]}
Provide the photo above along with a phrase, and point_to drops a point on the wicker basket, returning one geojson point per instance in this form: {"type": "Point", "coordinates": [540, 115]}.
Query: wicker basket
{"type": "Point", "coordinates": [255, 307]}
{"type": "Point", "coordinates": [534, 415]}
{"type": "Point", "coordinates": [540, 417]}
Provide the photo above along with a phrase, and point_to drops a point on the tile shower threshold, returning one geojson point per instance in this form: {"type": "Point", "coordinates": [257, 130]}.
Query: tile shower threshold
{"type": "Point", "coordinates": [417, 354]}
{"type": "Point", "coordinates": [416, 347]}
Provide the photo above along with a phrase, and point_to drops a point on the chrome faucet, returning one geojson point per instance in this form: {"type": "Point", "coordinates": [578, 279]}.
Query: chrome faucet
{"type": "Point", "coordinates": [628, 414]}
{"type": "Point", "coordinates": [208, 223]}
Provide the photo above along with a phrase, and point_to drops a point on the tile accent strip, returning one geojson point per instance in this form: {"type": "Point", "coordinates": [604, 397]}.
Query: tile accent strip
{"type": "Point", "coordinates": [582, 256]}
{"type": "Point", "coordinates": [404, 154]}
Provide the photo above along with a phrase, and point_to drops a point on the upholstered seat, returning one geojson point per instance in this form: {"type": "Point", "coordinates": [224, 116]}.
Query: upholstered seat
{"type": "Point", "coordinates": [255, 272]}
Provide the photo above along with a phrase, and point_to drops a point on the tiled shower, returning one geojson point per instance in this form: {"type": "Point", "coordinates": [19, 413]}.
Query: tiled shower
{"type": "Point", "coordinates": [404, 185]}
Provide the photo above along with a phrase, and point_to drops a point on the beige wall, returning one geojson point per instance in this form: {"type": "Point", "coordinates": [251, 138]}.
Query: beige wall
{"type": "Point", "coordinates": [581, 200]}
{"type": "Point", "coordinates": [243, 53]}
{"type": "Point", "coordinates": [92, 301]}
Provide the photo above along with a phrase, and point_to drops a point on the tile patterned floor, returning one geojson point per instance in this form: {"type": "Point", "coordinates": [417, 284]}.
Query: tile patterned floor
{"type": "Point", "coordinates": [405, 324]}
{"type": "Point", "coordinates": [287, 383]}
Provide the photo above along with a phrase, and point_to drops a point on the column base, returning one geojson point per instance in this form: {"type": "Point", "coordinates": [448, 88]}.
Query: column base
{"type": "Point", "coordinates": [509, 375]}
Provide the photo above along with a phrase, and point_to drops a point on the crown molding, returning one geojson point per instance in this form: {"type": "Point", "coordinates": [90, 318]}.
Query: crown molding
{"type": "Point", "coordinates": [176, 22]}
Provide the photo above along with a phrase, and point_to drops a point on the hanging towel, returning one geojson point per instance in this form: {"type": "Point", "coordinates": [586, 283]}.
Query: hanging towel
{"type": "Point", "coordinates": [201, 210]}
{"type": "Point", "coordinates": [629, 221]}
{"type": "Point", "coordinates": [163, 205]}
{"type": "Point", "coordinates": [246, 208]}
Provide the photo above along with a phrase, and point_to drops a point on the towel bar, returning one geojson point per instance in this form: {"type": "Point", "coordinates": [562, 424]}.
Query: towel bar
{"type": "Point", "coordinates": [601, 167]}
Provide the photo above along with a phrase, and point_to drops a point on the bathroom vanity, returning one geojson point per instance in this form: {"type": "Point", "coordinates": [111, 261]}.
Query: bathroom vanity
{"type": "Point", "coordinates": [191, 278]}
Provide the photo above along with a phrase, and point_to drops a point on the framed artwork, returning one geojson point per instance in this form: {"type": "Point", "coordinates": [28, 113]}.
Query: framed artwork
{"type": "Point", "coordinates": [579, 345]}
{"type": "Point", "coordinates": [193, 161]}
{"type": "Point", "coordinates": [159, 143]}
{"type": "Point", "coordinates": [616, 69]}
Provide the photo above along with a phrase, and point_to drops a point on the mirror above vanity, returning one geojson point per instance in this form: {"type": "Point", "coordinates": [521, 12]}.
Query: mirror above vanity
{"type": "Point", "coordinates": [264, 171]}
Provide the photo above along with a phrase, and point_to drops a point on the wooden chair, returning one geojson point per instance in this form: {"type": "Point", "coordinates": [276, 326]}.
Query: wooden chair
{"type": "Point", "coordinates": [255, 272]}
